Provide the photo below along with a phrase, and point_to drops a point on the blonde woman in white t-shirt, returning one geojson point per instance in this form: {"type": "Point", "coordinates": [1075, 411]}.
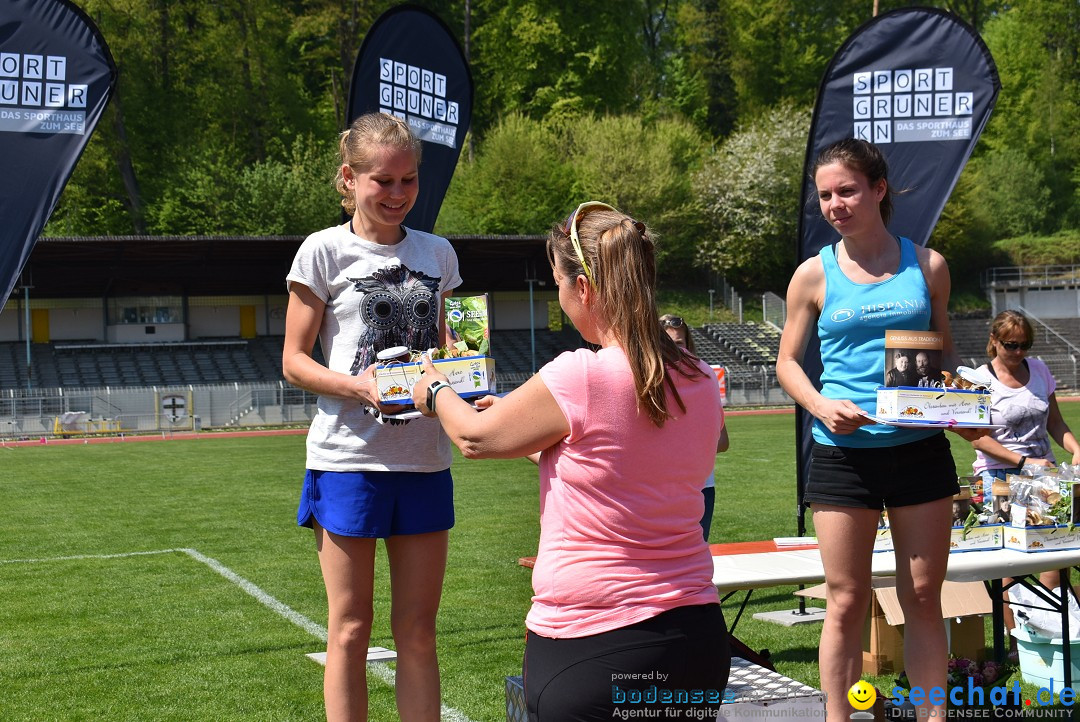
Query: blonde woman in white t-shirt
{"type": "Point", "coordinates": [359, 288]}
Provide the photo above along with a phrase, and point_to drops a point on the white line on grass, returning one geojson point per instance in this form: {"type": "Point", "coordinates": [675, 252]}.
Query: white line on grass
{"type": "Point", "coordinates": [265, 599]}
{"type": "Point", "coordinates": [380, 671]}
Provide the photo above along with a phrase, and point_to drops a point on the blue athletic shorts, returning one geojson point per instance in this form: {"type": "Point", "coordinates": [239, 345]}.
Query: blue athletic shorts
{"type": "Point", "coordinates": [377, 504]}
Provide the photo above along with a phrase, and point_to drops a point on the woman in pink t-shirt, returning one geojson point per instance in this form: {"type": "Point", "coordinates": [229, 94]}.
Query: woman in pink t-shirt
{"type": "Point", "coordinates": [625, 615]}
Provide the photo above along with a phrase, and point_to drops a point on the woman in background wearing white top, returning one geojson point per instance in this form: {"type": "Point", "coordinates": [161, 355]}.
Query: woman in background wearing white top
{"type": "Point", "coordinates": [1022, 397]}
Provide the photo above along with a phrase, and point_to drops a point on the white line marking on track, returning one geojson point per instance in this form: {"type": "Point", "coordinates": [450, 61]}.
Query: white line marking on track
{"type": "Point", "coordinates": [380, 671]}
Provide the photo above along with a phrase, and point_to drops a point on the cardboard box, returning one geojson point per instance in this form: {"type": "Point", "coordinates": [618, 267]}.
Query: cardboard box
{"type": "Point", "coordinates": [975, 538]}
{"type": "Point", "coordinates": [906, 403]}
{"type": "Point", "coordinates": [1042, 538]}
{"type": "Point", "coordinates": [1027, 502]}
{"type": "Point", "coordinates": [469, 376]}
{"type": "Point", "coordinates": [962, 604]}
{"type": "Point", "coordinates": [978, 537]}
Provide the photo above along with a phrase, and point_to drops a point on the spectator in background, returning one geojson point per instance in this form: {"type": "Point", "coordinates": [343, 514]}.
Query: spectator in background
{"type": "Point", "coordinates": [1022, 398]}
{"type": "Point", "coordinates": [679, 332]}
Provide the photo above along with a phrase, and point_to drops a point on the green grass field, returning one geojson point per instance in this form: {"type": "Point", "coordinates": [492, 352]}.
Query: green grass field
{"type": "Point", "coordinates": [168, 580]}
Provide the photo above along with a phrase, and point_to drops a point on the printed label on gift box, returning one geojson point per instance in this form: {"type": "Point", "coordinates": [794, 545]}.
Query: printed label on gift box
{"type": "Point", "coordinates": [1042, 538]}
{"type": "Point", "coordinates": [937, 404]}
{"type": "Point", "coordinates": [469, 376]}
{"type": "Point", "coordinates": [978, 537]}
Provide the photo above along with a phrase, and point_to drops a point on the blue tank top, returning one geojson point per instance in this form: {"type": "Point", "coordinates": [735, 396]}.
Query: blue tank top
{"type": "Point", "coordinates": [852, 328]}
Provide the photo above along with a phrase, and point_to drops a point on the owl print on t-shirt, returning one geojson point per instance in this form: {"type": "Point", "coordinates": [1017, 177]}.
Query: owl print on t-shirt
{"type": "Point", "coordinates": [399, 307]}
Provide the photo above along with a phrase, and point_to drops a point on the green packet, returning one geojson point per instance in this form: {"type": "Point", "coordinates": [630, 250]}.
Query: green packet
{"type": "Point", "coordinates": [467, 324]}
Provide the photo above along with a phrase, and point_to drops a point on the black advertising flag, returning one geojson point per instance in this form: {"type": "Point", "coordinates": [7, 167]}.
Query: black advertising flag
{"type": "Point", "coordinates": [920, 84]}
{"type": "Point", "coordinates": [56, 77]}
{"type": "Point", "coordinates": [411, 66]}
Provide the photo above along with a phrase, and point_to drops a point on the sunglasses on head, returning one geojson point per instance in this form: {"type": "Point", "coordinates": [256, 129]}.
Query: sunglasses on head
{"type": "Point", "coordinates": [571, 229]}
{"type": "Point", "coordinates": [673, 322]}
{"type": "Point", "coordinates": [1014, 345]}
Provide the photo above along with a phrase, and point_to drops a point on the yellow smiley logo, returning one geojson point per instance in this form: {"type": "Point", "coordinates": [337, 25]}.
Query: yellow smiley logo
{"type": "Point", "coordinates": [862, 695]}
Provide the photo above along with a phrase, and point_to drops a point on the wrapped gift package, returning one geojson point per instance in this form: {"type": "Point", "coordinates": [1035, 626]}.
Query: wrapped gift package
{"type": "Point", "coordinates": [469, 376]}
{"type": "Point", "coordinates": [907, 403]}
{"type": "Point", "coordinates": [1041, 511]}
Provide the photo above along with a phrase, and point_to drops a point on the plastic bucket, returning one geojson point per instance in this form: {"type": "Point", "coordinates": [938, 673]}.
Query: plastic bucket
{"type": "Point", "coordinates": [1042, 659]}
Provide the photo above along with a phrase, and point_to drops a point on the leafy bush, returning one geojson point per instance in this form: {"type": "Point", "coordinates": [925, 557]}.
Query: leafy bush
{"type": "Point", "coordinates": [528, 175]}
{"type": "Point", "coordinates": [294, 196]}
{"type": "Point", "coordinates": [518, 182]}
{"type": "Point", "coordinates": [748, 190]}
{"type": "Point", "coordinates": [1060, 249]}
{"type": "Point", "coordinates": [646, 170]}
{"type": "Point", "coordinates": [1009, 193]}
{"type": "Point", "coordinates": [290, 195]}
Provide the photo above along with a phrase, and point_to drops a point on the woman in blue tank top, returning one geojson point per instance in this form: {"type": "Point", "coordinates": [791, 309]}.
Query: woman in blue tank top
{"type": "Point", "coordinates": [850, 293]}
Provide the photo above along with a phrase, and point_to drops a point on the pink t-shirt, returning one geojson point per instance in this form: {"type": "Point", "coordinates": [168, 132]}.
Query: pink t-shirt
{"type": "Point", "coordinates": [620, 499]}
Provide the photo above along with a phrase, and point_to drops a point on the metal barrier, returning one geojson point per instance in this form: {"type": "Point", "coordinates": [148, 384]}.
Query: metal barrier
{"type": "Point", "coordinates": [773, 310]}
{"type": "Point", "coordinates": [36, 413]}
{"type": "Point", "coordinates": [1014, 276]}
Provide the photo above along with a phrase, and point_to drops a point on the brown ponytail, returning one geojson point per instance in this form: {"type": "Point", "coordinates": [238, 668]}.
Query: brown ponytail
{"type": "Point", "coordinates": [620, 253]}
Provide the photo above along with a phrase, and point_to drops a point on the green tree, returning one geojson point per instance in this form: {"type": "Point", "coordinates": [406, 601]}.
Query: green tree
{"type": "Point", "coordinates": [1037, 118]}
{"type": "Point", "coordinates": [701, 86]}
{"type": "Point", "coordinates": [324, 36]}
{"type": "Point", "coordinates": [780, 48]}
{"type": "Point", "coordinates": [550, 59]}
{"type": "Point", "coordinates": [519, 181]}
{"type": "Point", "coordinates": [195, 80]}
{"type": "Point", "coordinates": [645, 170]}
{"type": "Point", "coordinates": [748, 189]}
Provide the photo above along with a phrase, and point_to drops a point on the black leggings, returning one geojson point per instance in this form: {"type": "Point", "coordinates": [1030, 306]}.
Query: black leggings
{"type": "Point", "coordinates": [678, 660]}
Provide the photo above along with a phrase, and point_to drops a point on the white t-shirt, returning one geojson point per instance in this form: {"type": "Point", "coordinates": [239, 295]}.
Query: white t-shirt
{"type": "Point", "coordinates": [376, 297]}
{"type": "Point", "coordinates": [1024, 412]}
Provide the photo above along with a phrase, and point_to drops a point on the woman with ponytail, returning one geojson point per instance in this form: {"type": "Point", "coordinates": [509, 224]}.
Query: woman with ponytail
{"type": "Point", "coordinates": [358, 288]}
{"type": "Point", "coordinates": [623, 436]}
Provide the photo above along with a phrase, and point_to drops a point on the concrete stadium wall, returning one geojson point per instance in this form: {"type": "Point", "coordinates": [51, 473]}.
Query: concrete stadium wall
{"type": "Point", "coordinates": [1041, 302]}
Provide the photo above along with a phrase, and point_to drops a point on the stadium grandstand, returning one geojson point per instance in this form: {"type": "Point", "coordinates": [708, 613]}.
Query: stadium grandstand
{"type": "Point", "coordinates": [94, 319]}
{"type": "Point", "coordinates": [194, 326]}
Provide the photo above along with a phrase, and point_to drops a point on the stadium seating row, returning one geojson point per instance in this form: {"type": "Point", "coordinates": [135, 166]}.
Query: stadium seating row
{"type": "Point", "coordinates": [747, 350]}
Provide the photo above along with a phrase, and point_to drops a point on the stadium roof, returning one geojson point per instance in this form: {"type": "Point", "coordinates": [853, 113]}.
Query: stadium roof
{"type": "Point", "coordinates": [108, 266]}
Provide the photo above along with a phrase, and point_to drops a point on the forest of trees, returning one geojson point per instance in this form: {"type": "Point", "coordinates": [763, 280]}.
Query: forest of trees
{"type": "Point", "coordinates": [692, 114]}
